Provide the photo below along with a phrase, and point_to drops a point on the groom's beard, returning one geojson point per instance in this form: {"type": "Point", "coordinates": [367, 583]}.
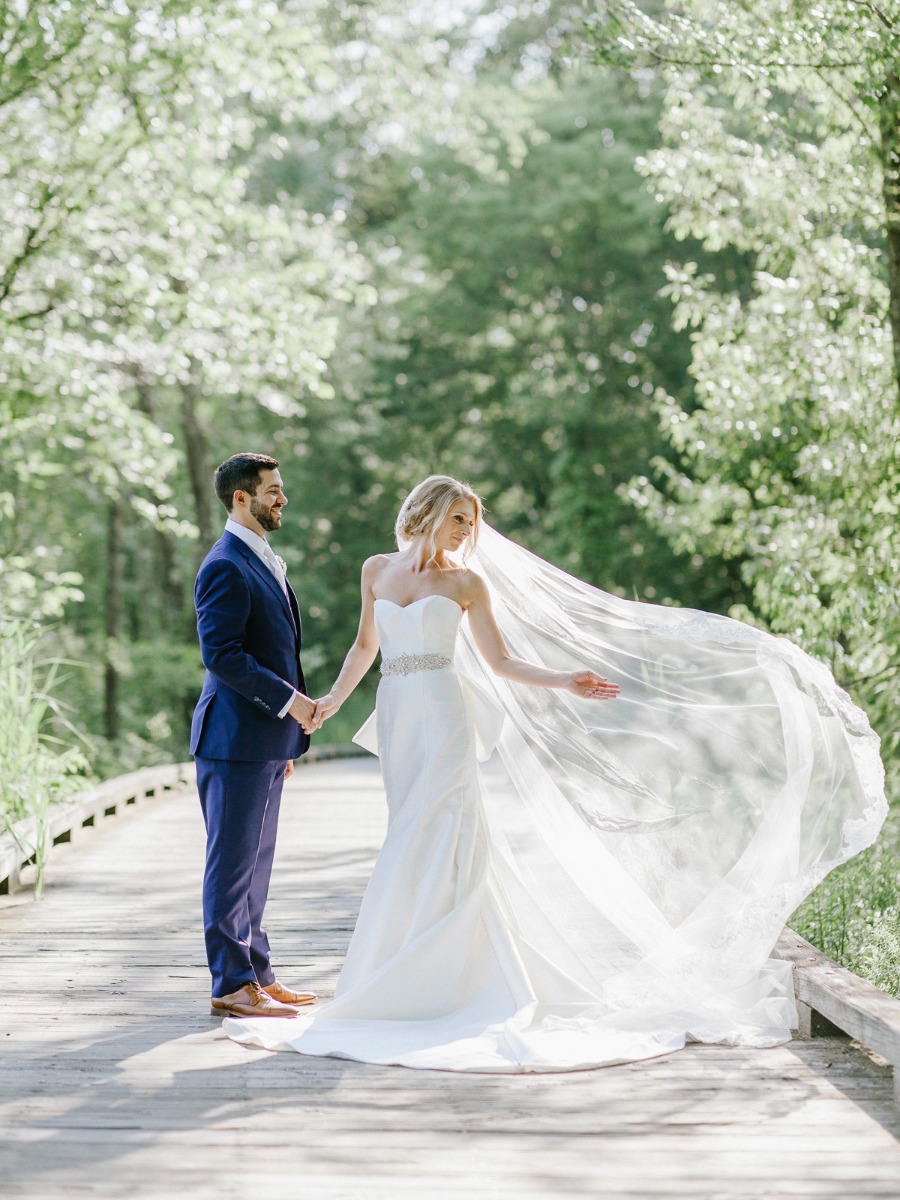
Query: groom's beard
{"type": "Point", "coordinates": [267, 518]}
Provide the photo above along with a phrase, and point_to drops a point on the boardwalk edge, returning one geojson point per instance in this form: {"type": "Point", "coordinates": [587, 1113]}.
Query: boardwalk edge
{"type": "Point", "coordinates": [68, 821]}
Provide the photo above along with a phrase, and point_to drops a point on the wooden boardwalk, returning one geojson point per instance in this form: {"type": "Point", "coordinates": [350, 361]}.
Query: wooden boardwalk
{"type": "Point", "coordinates": [115, 1082]}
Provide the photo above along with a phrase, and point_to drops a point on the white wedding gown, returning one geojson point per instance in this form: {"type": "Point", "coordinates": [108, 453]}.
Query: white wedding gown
{"type": "Point", "coordinates": [507, 928]}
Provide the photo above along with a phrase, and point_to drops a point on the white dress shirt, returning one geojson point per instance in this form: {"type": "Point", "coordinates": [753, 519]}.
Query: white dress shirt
{"type": "Point", "coordinates": [263, 551]}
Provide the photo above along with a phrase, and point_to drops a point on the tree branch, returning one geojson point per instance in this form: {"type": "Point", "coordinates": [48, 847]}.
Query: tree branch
{"type": "Point", "coordinates": [660, 57]}
{"type": "Point", "coordinates": [665, 60]}
{"type": "Point", "coordinates": [35, 73]}
{"type": "Point", "coordinates": [882, 16]}
{"type": "Point", "coordinates": [851, 107]}
{"type": "Point", "coordinates": [21, 318]}
{"type": "Point", "coordinates": [29, 246]}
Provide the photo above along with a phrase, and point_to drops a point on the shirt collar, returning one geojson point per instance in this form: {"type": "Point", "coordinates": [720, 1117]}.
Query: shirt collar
{"type": "Point", "coordinates": [257, 544]}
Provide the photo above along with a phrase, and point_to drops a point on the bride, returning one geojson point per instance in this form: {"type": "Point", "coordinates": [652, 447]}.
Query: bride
{"type": "Point", "coordinates": [566, 885]}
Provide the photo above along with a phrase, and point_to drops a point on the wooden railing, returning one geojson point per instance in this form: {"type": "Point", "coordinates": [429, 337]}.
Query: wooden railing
{"type": "Point", "coordinates": [68, 822]}
{"type": "Point", "coordinates": [830, 999]}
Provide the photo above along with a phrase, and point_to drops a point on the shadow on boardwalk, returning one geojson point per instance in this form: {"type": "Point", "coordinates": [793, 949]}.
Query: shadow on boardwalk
{"type": "Point", "coordinates": [115, 1081]}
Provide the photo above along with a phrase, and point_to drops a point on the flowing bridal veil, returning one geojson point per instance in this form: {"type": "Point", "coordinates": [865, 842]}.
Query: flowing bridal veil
{"type": "Point", "coordinates": [668, 835]}
{"type": "Point", "coordinates": [568, 883]}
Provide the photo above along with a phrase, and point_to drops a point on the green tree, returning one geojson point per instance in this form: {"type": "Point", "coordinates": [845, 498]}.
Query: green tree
{"type": "Point", "coordinates": [154, 308]}
{"type": "Point", "coordinates": [518, 329]}
{"type": "Point", "coordinates": [142, 298]}
{"type": "Point", "coordinates": [780, 140]}
{"type": "Point", "coordinates": [777, 142]}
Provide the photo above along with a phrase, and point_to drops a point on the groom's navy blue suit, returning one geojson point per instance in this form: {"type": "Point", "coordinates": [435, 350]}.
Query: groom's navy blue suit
{"type": "Point", "coordinates": [250, 639]}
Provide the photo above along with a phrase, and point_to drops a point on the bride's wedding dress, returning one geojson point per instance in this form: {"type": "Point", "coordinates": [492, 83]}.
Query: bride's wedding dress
{"type": "Point", "coordinates": [567, 884]}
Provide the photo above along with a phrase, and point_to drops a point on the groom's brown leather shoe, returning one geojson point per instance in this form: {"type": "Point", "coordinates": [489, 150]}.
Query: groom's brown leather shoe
{"type": "Point", "coordinates": [279, 992]}
{"type": "Point", "coordinates": [250, 1001]}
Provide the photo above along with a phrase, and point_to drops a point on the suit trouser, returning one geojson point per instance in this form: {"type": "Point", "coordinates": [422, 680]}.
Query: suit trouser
{"type": "Point", "coordinates": [240, 802]}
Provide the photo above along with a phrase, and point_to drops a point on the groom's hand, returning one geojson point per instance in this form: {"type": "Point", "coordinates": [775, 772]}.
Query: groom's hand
{"type": "Point", "coordinates": [303, 710]}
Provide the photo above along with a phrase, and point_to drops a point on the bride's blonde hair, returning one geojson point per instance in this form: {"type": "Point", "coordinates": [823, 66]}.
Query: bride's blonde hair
{"type": "Point", "coordinates": [426, 507]}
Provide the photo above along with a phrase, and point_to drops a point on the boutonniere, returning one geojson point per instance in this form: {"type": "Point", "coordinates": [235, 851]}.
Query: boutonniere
{"type": "Point", "coordinates": [281, 564]}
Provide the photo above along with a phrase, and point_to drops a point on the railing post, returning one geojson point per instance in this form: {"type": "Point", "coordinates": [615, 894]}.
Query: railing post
{"type": "Point", "coordinates": [804, 1020]}
{"type": "Point", "coordinates": [13, 880]}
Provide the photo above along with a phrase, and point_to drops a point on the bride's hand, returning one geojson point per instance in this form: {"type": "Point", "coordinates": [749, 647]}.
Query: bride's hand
{"type": "Point", "coordinates": [590, 686]}
{"type": "Point", "coordinates": [326, 706]}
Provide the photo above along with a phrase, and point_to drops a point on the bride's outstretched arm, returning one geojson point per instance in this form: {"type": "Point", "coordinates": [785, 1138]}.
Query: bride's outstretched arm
{"type": "Point", "coordinates": [585, 683]}
{"type": "Point", "coordinates": [359, 658]}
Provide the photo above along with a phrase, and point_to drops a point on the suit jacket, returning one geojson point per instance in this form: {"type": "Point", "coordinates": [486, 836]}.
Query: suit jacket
{"type": "Point", "coordinates": [250, 639]}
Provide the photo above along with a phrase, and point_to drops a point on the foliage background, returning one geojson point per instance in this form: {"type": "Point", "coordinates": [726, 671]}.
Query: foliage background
{"type": "Point", "coordinates": [633, 270]}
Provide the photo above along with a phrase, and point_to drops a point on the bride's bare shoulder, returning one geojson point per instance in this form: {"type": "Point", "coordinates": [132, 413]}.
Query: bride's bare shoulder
{"type": "Point", "coordinates": [373, 566]}
{"type": "Point", "coordinates": [472, 586]}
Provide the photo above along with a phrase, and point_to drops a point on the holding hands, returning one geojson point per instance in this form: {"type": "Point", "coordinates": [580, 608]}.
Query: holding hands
{"type": "Point", "coordinates": [303, 711]}
{"type": "Point", "coordinates": [326, 706]}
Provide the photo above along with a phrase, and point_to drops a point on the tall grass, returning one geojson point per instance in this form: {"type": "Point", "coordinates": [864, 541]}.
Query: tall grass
{"type": "Point", "coordinates": [40, 758]}
{"type": "Point", "coordinates": [854, 914]}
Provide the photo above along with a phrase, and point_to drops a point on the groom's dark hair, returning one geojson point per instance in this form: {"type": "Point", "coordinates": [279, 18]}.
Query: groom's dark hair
{"type": "Point", "coordinates": [241, 473]}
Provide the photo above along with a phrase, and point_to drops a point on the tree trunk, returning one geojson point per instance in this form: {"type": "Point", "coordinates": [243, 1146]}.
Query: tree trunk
{"type": "Point", "coordinates": [199, 462]}
{"type": "Point", "coordinates": [889, 122]}
{"type": "Point", "coordinates": [114, 574]}
{"type": "Point", "coordinates": [171, 607]}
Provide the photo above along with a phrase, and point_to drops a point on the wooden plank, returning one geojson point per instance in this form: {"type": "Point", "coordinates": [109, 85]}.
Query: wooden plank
{"type": "Point", "coordinates": [115, 1081]}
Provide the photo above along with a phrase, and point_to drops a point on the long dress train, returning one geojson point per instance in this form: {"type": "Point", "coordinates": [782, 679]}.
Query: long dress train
{"type": "Point", "coordinates": [566, 884]}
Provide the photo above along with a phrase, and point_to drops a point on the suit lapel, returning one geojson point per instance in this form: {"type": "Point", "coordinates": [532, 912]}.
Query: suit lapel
{"type": "Point", "coordinates": [295, 612]}
{"type": "Point", "coordinates": [266, 575]}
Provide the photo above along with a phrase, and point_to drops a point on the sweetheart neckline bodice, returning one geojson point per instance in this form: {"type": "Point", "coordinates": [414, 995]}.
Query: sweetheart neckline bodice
{"type": "Point", "coordinates": [413, 603]}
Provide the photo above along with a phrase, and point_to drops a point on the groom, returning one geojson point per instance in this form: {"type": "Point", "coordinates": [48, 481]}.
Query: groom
{"type": "Point", "coordinates": [251, 721]}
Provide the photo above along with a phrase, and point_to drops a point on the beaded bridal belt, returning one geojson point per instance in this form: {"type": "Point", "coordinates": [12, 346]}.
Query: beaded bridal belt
{"type": "Point", "coordinates": [405, 664]}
